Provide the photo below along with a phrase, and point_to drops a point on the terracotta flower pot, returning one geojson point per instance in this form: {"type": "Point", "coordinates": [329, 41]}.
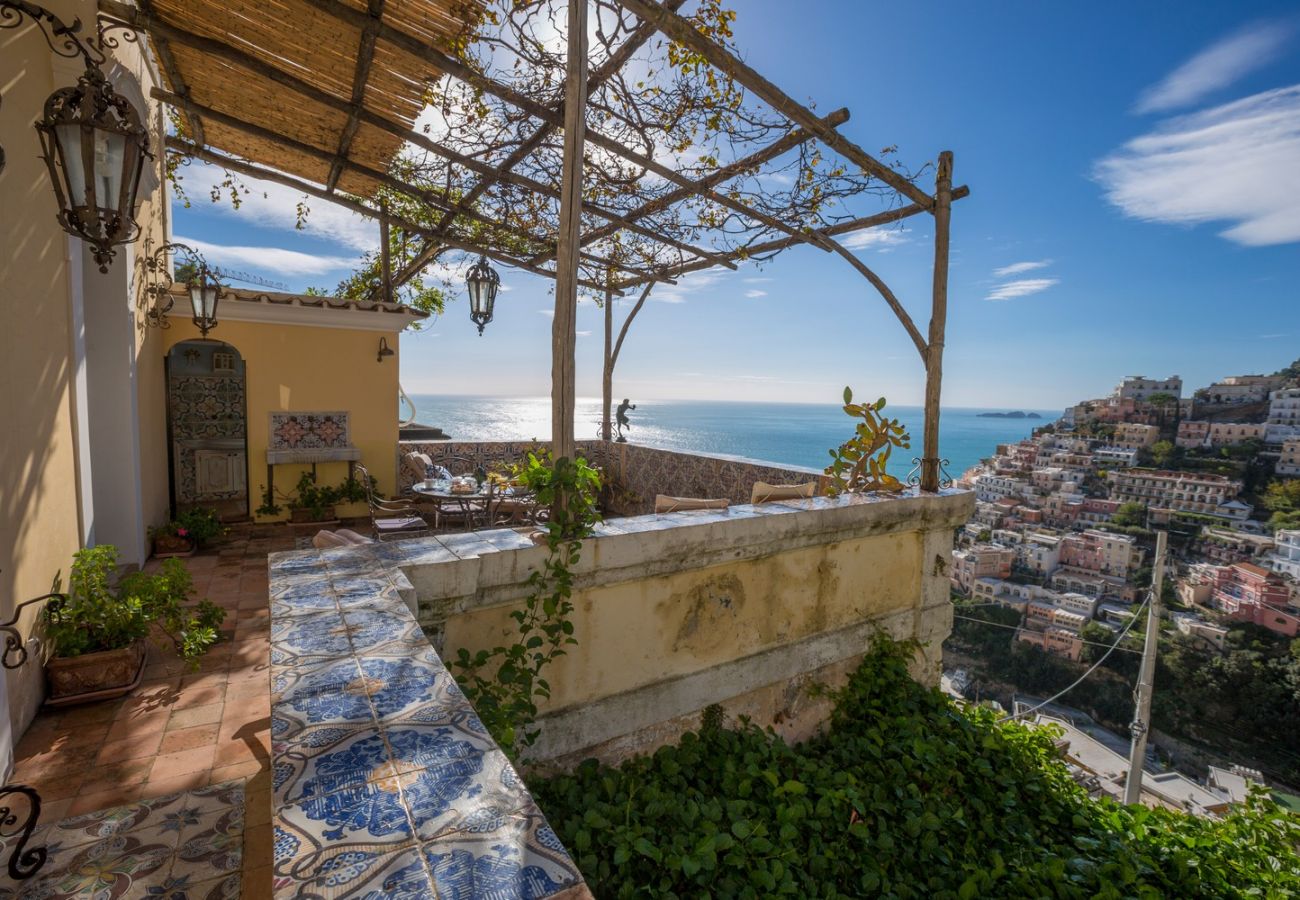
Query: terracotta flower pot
{"type": "Point", "coordinates": [166, 545]}
{"type": "Point", "coordinates": [94, 676]}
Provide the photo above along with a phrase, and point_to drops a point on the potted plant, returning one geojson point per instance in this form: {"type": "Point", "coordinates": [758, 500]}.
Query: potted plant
{"type": "Point", "coordinates": [201, 525]}
{"type": "Point", "coordinates": [97, 629]}
{"type": "Point", "coordinates": [313, 502]}
{"type": "Point", "coordinates": [172, 539]}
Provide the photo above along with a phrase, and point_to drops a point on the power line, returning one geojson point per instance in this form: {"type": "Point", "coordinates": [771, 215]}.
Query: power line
{"type": "Point", "coordinates": [1078, 681]}
{"type": "Point", "coordinates": [1018, 627]}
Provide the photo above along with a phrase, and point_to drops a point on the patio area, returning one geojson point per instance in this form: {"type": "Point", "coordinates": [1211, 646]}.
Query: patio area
{"type": "Point", "coordinates": [179, 731]}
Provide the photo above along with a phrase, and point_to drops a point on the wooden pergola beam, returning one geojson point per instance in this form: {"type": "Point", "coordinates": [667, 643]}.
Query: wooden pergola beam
{"type": "Point", "coordinates": [433, 199]}
{"type": "Point", "coordinates": [361, 75]}
{"type": "Point", "coordinates": [167, 60]}
{"type": "Point", "coordinates": [603, 73]}
{"type": "Point", "coordinates": [130, 16]}
{"type": "Point", "coordinates": [684, 33]}
{"type": "Point", "coordinates": [831, 231]}
{"type": "Point", "coordinates": [713, 179]}
{"type": "Point", "coordinates": [457, 69]}
{"type": "Point", "coordinates": [252, 170]}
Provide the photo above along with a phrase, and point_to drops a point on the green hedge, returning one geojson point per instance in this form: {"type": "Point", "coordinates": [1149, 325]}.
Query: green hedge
{"type": "Point", "coordinates": [906, 796]}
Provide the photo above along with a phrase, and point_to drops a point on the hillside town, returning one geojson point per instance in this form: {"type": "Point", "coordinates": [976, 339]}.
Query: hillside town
{"type": "Point", "coordinates": [1058, 555]}
{"type": "Point", "coordinates": [1059, 516]}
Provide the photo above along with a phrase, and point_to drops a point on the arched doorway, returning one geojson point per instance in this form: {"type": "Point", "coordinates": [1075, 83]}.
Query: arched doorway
{"type": "Point", "coordinates": [207, 424]}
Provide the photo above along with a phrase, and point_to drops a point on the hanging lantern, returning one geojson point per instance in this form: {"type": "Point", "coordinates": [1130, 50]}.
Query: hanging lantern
{"type": "Point", "coordinates": [205, 291]}
{"type": "Point", "coordinates": [482, 282]}
{"type": "Point", "coordinates": [94, 145]}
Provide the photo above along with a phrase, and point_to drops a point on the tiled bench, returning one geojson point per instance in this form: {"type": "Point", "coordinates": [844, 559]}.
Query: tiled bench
{"type": "Point", "coordinates": [386, 783]}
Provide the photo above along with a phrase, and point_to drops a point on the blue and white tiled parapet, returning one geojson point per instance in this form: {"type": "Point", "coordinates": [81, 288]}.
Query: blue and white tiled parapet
{"type": "Point", "coordinates": [386, 783]}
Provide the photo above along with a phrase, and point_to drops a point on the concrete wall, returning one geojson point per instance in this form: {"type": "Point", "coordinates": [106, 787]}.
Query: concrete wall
{"type": "Point", "coordinates": [740, 607]}
{"type": "Point", "coordinates": [300, 367]}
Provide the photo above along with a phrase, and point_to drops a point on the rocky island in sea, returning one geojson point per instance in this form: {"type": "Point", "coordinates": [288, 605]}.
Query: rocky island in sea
{"type": "Point", "coordinates": [1018, 414]}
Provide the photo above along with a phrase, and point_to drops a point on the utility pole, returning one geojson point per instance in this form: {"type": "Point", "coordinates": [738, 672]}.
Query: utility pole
{"type": "Point", "coordinates": [1146, 677]}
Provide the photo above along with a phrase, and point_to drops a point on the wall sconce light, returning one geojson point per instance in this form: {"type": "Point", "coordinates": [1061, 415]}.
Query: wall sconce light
{"type": "Point", "coordinates": [384, 350]}
{"type": "Point", "coordinates": [172, 263]}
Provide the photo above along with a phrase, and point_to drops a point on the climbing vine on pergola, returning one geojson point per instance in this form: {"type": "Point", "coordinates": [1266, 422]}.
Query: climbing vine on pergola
{"type": "Point", "coordinates": [609, 144]}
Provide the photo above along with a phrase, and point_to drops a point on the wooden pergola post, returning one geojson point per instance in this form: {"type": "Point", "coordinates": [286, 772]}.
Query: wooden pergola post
{"type": "Point", "coordinates": [930, 462]}
{"type": "Point", "coordinates": [385, 254]}
{"type": "Point", "coordinates": [564, 334]}
{"type": "Point", "coordinates": [607, 371]}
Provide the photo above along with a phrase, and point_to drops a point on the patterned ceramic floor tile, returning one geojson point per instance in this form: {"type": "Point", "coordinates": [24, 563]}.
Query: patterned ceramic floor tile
{"type": "Point", "coordinates": [186, 846]}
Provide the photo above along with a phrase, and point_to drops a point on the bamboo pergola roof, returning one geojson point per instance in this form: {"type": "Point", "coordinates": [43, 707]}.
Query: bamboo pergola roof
{"type": "Point", "coordinates": [192, 40]}
{"type": "Point", "coordinates": [323, 96]}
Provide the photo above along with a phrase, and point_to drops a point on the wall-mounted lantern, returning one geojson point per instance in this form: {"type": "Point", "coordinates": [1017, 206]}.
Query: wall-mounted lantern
{"type": "Point", "coordinates": [482, 282]}
{"type": "Point", "coordinates": [190, 269]}
{"type": "Point", "coordinates": [384, 349]}
{"type": "Point", "coordinates": [92, 140]}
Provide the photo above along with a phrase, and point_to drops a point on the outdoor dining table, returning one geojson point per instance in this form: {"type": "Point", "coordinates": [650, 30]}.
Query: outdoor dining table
{"type": "Point", "coordinates": [469, 504]}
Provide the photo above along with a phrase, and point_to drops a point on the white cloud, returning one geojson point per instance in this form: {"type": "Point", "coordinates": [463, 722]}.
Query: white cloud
{"type": "Point", "coordinates": [756, 280]}
{"type": "Point", "coordinates": [755, 294]}
{"type": "Point", "coordinates": [271, 260]}
{"type": "Point", "coordinates": [1233, 163]}
{"type": "Point", "coordinates": [274, 207]}
{"type": "Point", "coordinates": [1215, 67]}
{"type": "Point", "coordinates": [879, 239]}
{"type": "Point", "coordinates": [1021, 288]}
{"type": "Point", "coordinates": [1020, 268]}
{"type": "Point", "coordinates": [686, 285]}
{"type": "Point", "coordinates": [584, 334]}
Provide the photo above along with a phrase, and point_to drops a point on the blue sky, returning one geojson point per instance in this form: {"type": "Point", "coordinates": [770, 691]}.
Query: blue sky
{"type": "Point", "coordinates": [1135, 208]}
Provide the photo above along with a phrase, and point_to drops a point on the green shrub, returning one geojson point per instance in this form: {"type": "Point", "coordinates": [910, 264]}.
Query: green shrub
{"type": "Point", "coordinates": [99, 615]}
{"type": "Point", "coordinates": [200, 525]}
{"type": "Point", "coordinates": [906, 796]}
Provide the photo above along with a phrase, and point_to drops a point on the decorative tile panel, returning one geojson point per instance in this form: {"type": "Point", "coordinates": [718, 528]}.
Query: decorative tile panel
{"type": "Point", "coordinates": [386, 784]}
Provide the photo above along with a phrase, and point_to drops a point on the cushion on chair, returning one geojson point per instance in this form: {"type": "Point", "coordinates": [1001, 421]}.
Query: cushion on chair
{"type": "Point", "coordinates": [764, 492]}
{"type": "Point", "coordinates": [416, 464]}
{"type": "Point", "coordinates": [352, 537]}
{"type": "Point", "coordinates": [666, 504]}
{"type": "Point", "coordinates": [401, 523]}
{"type": "Point", "coordinates": [323, 540]}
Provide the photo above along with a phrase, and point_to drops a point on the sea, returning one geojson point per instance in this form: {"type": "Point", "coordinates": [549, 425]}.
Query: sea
{"type": "Point", "coordinates": [795, 434]}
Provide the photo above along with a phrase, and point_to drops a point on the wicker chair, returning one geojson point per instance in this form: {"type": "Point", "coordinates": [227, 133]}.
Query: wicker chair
{"type": "Point", "coordinates": [391, 519]}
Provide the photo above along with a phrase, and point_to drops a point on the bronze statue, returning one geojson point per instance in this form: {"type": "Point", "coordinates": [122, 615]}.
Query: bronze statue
{"type": "Point", "coordinates": [620, 418]}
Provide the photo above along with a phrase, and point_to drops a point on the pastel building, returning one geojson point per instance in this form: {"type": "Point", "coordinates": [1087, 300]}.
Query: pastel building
{"type": "Point", "coordinates": [1284, 407]}
{"type": "Point", "coordinates": [1117, 555]}
{"type": "Point", "coordinates": [1141, 388]}
{"type": "Point", "coordinates": [981, 561]}
{"type": "Point", "coordinates": [1180, 491]}
{"type": "Point", "coordinates": [1288, 464]}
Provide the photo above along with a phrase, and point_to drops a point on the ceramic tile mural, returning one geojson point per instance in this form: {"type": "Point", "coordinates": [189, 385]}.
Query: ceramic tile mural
{"type": "Point", "coordinates": [309, 431]}
{"type": "Point", "coordinates": [203, 408]}
{"type": "Point", "coordinates": [386, 784]}
{"type": "Point", "coordinates": [635, 473]}
{"type": "Point", "coordinates": [186, 846]}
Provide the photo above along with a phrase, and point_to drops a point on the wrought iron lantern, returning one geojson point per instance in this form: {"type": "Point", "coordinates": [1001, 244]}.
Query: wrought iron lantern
{"type": "Point", "coordinates": [92, 140]}
{"type": "Point", "coordinates": [205, 291]}
{"type": "Point", "coordinates": [482, 282]}
{"type": "Point", "coordinates": [200, 280]}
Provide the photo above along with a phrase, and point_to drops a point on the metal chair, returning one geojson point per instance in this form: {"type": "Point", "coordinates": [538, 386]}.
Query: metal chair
{"type": "Point", "coordinates": [391, 519]}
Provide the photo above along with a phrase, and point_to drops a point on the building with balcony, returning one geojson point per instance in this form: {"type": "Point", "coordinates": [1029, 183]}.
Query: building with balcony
{"type": "Point", "coordinates": [1134, 436]}
{"type": "Point", "coordinates": [1286, 557]}
{"type": "Point", "coordinates": [1242, 389]}
{"type": "Point", "coordinates": [1102, 552]}
{"type": "Point", "coordinates": [1141, 388]}
{"type": "Point", "coordinates": [1284, 407]}
{"type": "Point", "coordinates": [1193, 492]}
{"type": "Point", "coordinates": [980, 561]}
{"type": "Point", "coordinates": [1193, 434]}
{"type": "Point", "coordinates": [1288, 463]}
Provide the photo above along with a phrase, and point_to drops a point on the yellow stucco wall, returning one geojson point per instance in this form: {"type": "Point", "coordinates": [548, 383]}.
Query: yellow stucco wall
{"type": "Point", "coordinates": [41, 498]}
{"type": "Point", "coordinates": [306, 368]}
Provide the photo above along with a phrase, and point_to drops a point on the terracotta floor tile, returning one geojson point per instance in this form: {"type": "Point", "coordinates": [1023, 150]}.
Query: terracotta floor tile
{"type": "Point", "coordinates": [54, 810]}
{"type": "Point", "coordinates": [90, 714]}
{"type": "Point", "coordinates": [239, 752]}
{"type": "Point", "coordinates": [185, 762]}
{"type": "Point", "coordinates": [202, 696]}
{"type": "Point", "coordinates": [117, 796]}
{"type": "Point", "coordinates": [238, 770]}
{"type": "Point", "coordinates": [238, 691]}
{"type": "Point", "coordinates": [163, 786]}
{"type": "Point", "coordinates": [134, 747]}
{"type": "Point", "coordinates": [143, 727]}
{"type": "Point", "coordinates": [55, 787]}
{"type": "Point", "coordinates": [85, 736]}
{"type": "Point", "coordinates": [197, 715]}
{"type": "Point", "coordinates": [119, 773]}
{"type": "Point", "coordinates": [188, 739]}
